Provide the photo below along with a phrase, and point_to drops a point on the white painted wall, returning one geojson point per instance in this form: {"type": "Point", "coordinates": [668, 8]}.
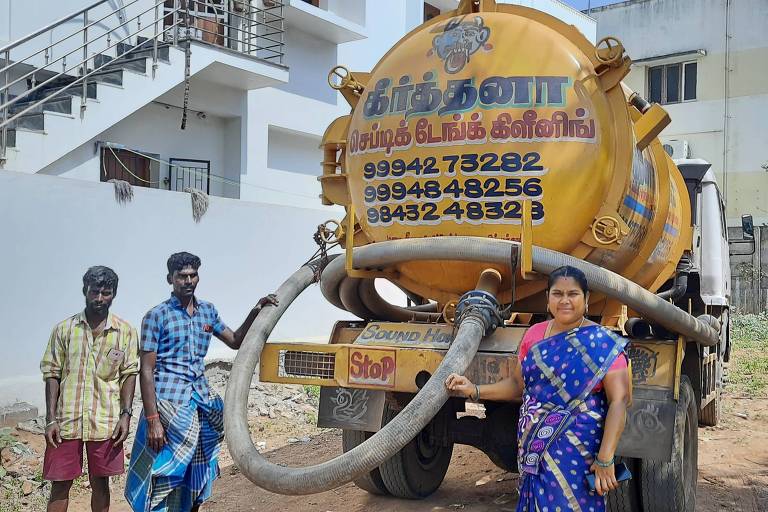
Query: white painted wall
{"type": "Point", "coordinates": [293, 151]}
{"type": "Point", "coordinates": [155, 129]}
{"type": "Point", "coordinates": [353, 10]}
{"type": "Point", "coordinates": [309, 58]}
{"type": "Point", "coordinates": [55, 228]}
{"type": "Point", "coordinates": [654, 28]}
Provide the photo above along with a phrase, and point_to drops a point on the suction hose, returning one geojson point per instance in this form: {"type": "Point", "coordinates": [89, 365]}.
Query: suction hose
{"type": "Point", "coordinates": [381, 446]}
{"type": "Point", "coordinates": [417, 414]}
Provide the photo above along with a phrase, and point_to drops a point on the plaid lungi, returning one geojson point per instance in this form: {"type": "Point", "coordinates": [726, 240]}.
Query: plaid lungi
{"type": "Point", "coordinates": [181, 475]}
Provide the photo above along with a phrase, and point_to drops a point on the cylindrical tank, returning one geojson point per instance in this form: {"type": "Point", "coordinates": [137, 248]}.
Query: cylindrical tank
{"type": "Point", "coordinates": [475, 112]}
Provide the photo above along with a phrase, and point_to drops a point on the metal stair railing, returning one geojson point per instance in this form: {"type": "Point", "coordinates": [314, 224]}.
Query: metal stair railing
{"type": "Point", "coordinates": [240, 27]}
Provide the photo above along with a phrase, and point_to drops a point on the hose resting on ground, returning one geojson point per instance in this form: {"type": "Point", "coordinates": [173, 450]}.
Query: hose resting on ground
{"type": "Point", "coordinates": [417, 414]}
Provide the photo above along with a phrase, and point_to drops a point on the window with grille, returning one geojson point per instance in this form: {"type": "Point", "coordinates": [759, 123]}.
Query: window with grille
{"type": "Point", "coordinates": [672, 83]}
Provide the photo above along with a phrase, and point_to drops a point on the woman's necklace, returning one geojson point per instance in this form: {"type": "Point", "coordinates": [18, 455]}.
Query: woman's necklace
{"type": "Point", "coordinates": [551, 323]}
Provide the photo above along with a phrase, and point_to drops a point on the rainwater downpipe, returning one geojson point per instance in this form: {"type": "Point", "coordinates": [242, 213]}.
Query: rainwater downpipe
{"type": "Point", "coordinates": [726, 87]}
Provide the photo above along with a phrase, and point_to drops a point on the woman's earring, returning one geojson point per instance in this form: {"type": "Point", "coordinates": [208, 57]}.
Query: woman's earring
{"type": "Point", "coordinates": [586, 310]}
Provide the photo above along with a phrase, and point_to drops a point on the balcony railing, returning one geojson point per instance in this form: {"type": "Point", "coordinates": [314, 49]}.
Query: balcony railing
{"type": "Point", "coordinates": [44, 64]}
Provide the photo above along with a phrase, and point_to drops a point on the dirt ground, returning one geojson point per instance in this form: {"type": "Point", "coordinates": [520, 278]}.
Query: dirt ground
{"type": "Point", "coordinates": [733, 462]}
{"type": "Point", "coordinates": [733, 474]}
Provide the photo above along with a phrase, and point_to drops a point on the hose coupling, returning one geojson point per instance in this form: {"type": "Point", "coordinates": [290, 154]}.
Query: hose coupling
{"type": "Point", "coordinates": [481, 305]}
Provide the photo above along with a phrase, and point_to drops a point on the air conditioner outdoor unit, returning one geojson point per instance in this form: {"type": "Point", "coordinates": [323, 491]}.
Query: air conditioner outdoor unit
{"type": "Point", "coordinates": [677, 149]}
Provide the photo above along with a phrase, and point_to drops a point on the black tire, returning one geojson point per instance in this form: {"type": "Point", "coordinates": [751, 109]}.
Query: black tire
{"type": "Point", "coordinates": [709, 416]}
{"type": "Point", "coordinates": [671, 486]}
{"type": "Point", "coordinates": [371, 482]}
{"type": "Point", "coordinates": [627, 497]}
{"type": "Point", "coordinates": [419, 468]}
{"type": "Point", "coordinates": [499, 462]}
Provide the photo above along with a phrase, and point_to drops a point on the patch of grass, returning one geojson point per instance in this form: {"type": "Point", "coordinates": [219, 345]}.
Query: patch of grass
{"type": "Point", "coordinates": [312, 391]}
{"type": "Point", "coordinates": [749, 355]}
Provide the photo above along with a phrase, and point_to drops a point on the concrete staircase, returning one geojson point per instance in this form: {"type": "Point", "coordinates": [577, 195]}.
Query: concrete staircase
{"type": "Point", "coordinates": [58, 125]}
{"type": "Point", "coordinates": [55, 112]}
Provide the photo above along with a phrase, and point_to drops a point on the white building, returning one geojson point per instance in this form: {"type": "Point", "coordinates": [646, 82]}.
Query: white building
{"type": "Point", "coordinates": [705, 61]}
{"type": "Point", "coordinates": [258, 104]}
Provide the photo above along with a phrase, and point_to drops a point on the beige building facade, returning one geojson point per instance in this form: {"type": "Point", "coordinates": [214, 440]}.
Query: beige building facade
{"type": "Point", "coordinates": [706, 62]}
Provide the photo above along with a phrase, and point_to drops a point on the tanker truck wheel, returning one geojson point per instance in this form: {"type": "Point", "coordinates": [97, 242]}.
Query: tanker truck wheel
{"type": "Point", "coordinates": [371, 482]}
{"type": "Point", "coordinates": [671, 486]}
{"type": "Point", "coordinates": [627, 497]}
{"type": "Point", "coordinates": [710, 414]}
{"type": "Point", "coordinates": [418, 469]}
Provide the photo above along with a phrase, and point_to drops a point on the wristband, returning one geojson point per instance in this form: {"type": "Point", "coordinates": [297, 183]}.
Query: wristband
{"type": "Point", "coordinates": [477, 393]}
{"type": "Point", "coordinates": [152, 417]}
{"type": "Point", "coordinates": [51, 423]}
{"type": "Point", "coordinates": [604, 464]}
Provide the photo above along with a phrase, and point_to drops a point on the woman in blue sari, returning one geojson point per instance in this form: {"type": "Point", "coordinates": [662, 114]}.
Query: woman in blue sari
{"type": "Point", "coordinates": [574, 385]}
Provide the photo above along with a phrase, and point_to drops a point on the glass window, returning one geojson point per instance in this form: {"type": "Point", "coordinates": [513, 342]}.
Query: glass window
{"type": "Point", "coordinates": [689, 92]}
{"type": "Point", "coordinates": [654, 84]}
{"type": "Point", "coordinates": [673, 83]}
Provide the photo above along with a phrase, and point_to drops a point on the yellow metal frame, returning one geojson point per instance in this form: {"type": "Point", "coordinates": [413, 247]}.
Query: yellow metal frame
{"type": "Point", "coordinates": [526, 242]}
{"type": "Point", "coordinates": [349, 251]}
{"type": "Point", "coordinates": [679, 365]}
{"type": "Point", "coordinates": [666, 364]}
{"type": "Point", "coordinates": [409, 362]}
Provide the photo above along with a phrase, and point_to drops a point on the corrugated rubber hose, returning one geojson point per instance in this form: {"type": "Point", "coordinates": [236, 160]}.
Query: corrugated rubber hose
{"type": "Point", "coordinates": [417, 414]}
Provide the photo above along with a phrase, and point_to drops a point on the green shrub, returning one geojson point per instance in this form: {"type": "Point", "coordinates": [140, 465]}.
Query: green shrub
{"type": "Point", "coordinates": [749, 354]}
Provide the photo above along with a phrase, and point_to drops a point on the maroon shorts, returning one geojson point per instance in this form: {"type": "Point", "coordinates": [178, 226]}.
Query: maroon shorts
{"type": "Point", "coordinates": [66, 462]}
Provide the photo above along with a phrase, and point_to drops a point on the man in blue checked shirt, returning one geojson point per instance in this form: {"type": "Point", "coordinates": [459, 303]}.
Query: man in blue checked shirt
{"type": "Point", "coordinates": [175, 453]}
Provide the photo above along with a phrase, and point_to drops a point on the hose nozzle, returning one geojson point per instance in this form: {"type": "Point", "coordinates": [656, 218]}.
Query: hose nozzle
{"type": "Point", "coordinates": [490, 281]}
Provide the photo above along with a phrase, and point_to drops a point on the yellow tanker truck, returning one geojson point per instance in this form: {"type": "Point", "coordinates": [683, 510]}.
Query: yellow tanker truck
{"type": "Point", "coordinates": [488, 147]}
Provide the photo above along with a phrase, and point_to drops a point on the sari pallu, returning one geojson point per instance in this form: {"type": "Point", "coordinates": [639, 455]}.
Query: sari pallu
{"type": "Point", "coordinates": [561, 419]}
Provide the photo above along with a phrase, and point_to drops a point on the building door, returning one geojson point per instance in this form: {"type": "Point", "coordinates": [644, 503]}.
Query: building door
{"type": "Point", "coordinates": [125, 165]}
{"type": "Point", "coordinates": [183, 173]}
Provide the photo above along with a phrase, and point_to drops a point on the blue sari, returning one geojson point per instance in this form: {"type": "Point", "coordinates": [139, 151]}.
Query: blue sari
{"type": "Point", "coordinates": [561, 419]}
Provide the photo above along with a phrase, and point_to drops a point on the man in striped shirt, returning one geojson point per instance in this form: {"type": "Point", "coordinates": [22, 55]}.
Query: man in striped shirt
{"type": "Point", "coordinates": [89, 368]}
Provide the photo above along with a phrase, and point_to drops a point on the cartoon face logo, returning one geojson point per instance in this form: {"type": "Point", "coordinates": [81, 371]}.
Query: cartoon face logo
{"type": "Point", "coordinates": [460, 39]}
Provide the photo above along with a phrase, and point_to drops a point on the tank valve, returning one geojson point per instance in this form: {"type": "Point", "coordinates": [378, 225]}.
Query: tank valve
{"type": "Point", "coordinates": [607, 230]}
{"type": "Point", "coordinates": [346, 80]}
{"type": "Point", "coordinates": [609, 51]}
